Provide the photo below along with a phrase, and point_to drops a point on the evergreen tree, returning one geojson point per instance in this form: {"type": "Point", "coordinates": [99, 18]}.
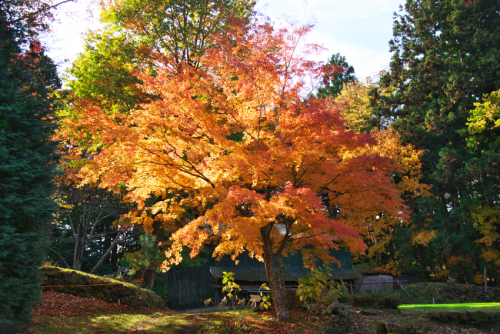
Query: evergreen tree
{"type": "Point", "coordinates": [445, 59]}
{"type": "Point", "coordinates": [27, 160]}
{"type": "Point", "coordinates": [334, 82]}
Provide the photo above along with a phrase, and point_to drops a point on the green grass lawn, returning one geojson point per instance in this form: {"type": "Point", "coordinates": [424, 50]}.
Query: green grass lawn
{"type": "Point", "coordinates": [461, 306]}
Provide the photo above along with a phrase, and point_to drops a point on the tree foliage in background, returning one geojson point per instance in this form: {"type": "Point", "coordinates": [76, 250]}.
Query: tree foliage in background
{"type": "Point", "coordinates": [181, 29]}
{"type": "Point", "coordinates": [355, 106]}
{"type": "Point", "coordinates": [356, 109]}
{"type": "Point", "coordinates": [334, 82]}
{"type": "Point", "coordinates": [484, 133]}
{"type": "Point", "coordinates": [445, 58]}
{"type": "Point", "coordinates": [85, 216]}
{"type": "Point", "coordinates": [27, 164]}
{"type": "Point", "coordinates": [144, 260]}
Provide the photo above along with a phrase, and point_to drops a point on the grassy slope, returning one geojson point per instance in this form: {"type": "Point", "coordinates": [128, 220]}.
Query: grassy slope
{"type": "Point", "coordinates": [83, 284]}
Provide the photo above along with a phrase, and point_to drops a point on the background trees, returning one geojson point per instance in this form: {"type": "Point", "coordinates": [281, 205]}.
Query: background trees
{"type": "Point", "coordinates": [27, 163]}
{"type": "Point", "coordinates": [84, 220]}
{"type": "Point", "coordinates": [333, 83]}
{"type": "Point", "coordinates": [444, 61]}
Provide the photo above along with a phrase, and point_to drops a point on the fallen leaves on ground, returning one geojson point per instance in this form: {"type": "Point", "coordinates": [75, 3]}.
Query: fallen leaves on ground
{"type": "Point", "coordinates": [304, 322]}
{"type": "Point", "coordinates": [56, 304]}
{"type": "Point", "coordinates": [265, 322]}
{"type": "Point", "coordinates": [62, 304]}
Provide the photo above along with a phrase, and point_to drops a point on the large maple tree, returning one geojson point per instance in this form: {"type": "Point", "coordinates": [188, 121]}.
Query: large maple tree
{"type": "Point", "coordinates": [240, 141]}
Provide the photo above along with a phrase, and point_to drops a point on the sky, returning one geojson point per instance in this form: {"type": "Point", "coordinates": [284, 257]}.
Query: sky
{"type": "Point", "coordinates": [360, 30]}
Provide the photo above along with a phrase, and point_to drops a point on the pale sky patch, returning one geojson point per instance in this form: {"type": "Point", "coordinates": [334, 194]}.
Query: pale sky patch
{"type": "Point", "coordinates": [358, 29]}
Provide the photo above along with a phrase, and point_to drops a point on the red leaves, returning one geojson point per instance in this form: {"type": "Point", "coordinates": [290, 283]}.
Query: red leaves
{"type": "Point", "coordinates": [61, 304]}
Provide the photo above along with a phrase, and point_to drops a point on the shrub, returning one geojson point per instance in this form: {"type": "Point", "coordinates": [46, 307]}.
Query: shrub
{"type": "Point", "coordinates": [317, 287]}
{"type": "Point", "coordinates": [376, 300]}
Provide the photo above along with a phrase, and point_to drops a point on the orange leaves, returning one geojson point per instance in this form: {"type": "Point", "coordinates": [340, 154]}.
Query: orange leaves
{"type": "Point", "coordinates": [239, 140]}
{"type": "Point", "coordinates": [423, 237]}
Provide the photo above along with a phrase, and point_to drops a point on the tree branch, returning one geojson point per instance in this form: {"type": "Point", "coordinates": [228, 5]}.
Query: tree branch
{"type": "Point", "coordinates": [39, 11]}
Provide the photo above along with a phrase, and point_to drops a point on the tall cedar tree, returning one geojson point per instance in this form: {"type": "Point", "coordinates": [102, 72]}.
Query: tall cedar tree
{"type": "Point", "coordinates": [445, 59]}
{"type": "Point", "coordinates": [104, 75]}
{"type": "Point", "coordinates": [27, 160]}
{"type": "Point", "coordinates": [334, 82]}
{"type": "Point", "coordinates": [252, 150]}
{"type": "Point", "coordinates": [484, 131]}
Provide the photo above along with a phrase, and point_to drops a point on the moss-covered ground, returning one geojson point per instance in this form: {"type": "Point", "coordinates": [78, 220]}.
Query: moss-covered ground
{"type": "Point", "coordinates": [364, 321]}
{"type": "Point", "coordinates": [136, 322]}
{"type": "Point", "coordinates": [83, 284]}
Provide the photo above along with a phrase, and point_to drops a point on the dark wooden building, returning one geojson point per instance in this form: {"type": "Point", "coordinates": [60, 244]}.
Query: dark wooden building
{"type": "Point", "coordinates": [188, 287]}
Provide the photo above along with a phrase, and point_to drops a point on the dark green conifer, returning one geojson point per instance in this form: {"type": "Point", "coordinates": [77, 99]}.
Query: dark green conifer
{"type": "Point", "coordinates": [333, 83]}
{"type": "Point", "coordinates": [445, 58]}
{"type": "Point", "coordinates": [27, 163]}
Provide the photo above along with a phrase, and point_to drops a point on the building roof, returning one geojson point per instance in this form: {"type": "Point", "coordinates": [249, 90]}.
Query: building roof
{"type": "Point", "coordinates": [251, 270]}
{"type": "Point", "coordinates": [258, 274]}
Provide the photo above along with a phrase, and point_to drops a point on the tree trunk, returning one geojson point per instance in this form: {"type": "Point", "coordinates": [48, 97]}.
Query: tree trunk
{"type": "Point", "coordinates": [281, 272]}
{"type": "Point", "coordinates": [282, 311]}
{"type": "Point", "coordinates": [138, 290]}
{"type": "Point", "coordinates": [149, 279]}
{"type": "Point", "coordinates": [107, 253]}
{"type": "Point", "coordinates": [150, 274]}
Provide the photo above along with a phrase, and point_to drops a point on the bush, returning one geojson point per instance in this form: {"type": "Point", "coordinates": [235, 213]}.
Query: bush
{"type": "Point", "coordinates": [376, 300]}
{"type": "Point", "coordinates": [325, 293]}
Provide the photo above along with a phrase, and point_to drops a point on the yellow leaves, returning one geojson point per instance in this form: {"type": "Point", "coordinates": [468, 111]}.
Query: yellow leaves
{"type": "Point", "coordinates": [355, 105]}
{"type": "Point", "coordinates": [486, 113]}
{"type": "Point", "coordinates": [479, 278]}
{"type": "Point", "coordinates": [423, 237]}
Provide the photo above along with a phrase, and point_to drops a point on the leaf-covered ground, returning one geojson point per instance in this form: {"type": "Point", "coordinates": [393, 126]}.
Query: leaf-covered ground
{"type": "Point", "coordinates": [83, 284]}
{"type": "Point", "coordinates": [61, 313]}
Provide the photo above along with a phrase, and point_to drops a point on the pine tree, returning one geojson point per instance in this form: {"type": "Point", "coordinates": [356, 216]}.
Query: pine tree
{"type": "Point", "coordinates": [334, 82]}
{"type": "Point", "coordinates": [27, 160]}
{"type": "Point", "coordinates": [445, 59]}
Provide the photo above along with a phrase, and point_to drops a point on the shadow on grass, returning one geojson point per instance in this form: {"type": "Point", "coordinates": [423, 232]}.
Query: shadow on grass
{"type": "Point", "coordinates": [138, 322]}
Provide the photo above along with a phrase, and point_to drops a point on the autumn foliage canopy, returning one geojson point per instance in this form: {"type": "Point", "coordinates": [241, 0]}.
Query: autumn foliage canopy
{"type": "Point", "coordinates": [240, 141]}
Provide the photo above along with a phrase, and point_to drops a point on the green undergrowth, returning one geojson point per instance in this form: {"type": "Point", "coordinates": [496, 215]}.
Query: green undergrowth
{"type": "Point", "coordinates": [386, 300]}
{"type": "Point", "coordinates": [427, 293]}
{"type": "Point", "coordinates": [444, 293]}
{"type": "Point", "coordinates": [83, 284]}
